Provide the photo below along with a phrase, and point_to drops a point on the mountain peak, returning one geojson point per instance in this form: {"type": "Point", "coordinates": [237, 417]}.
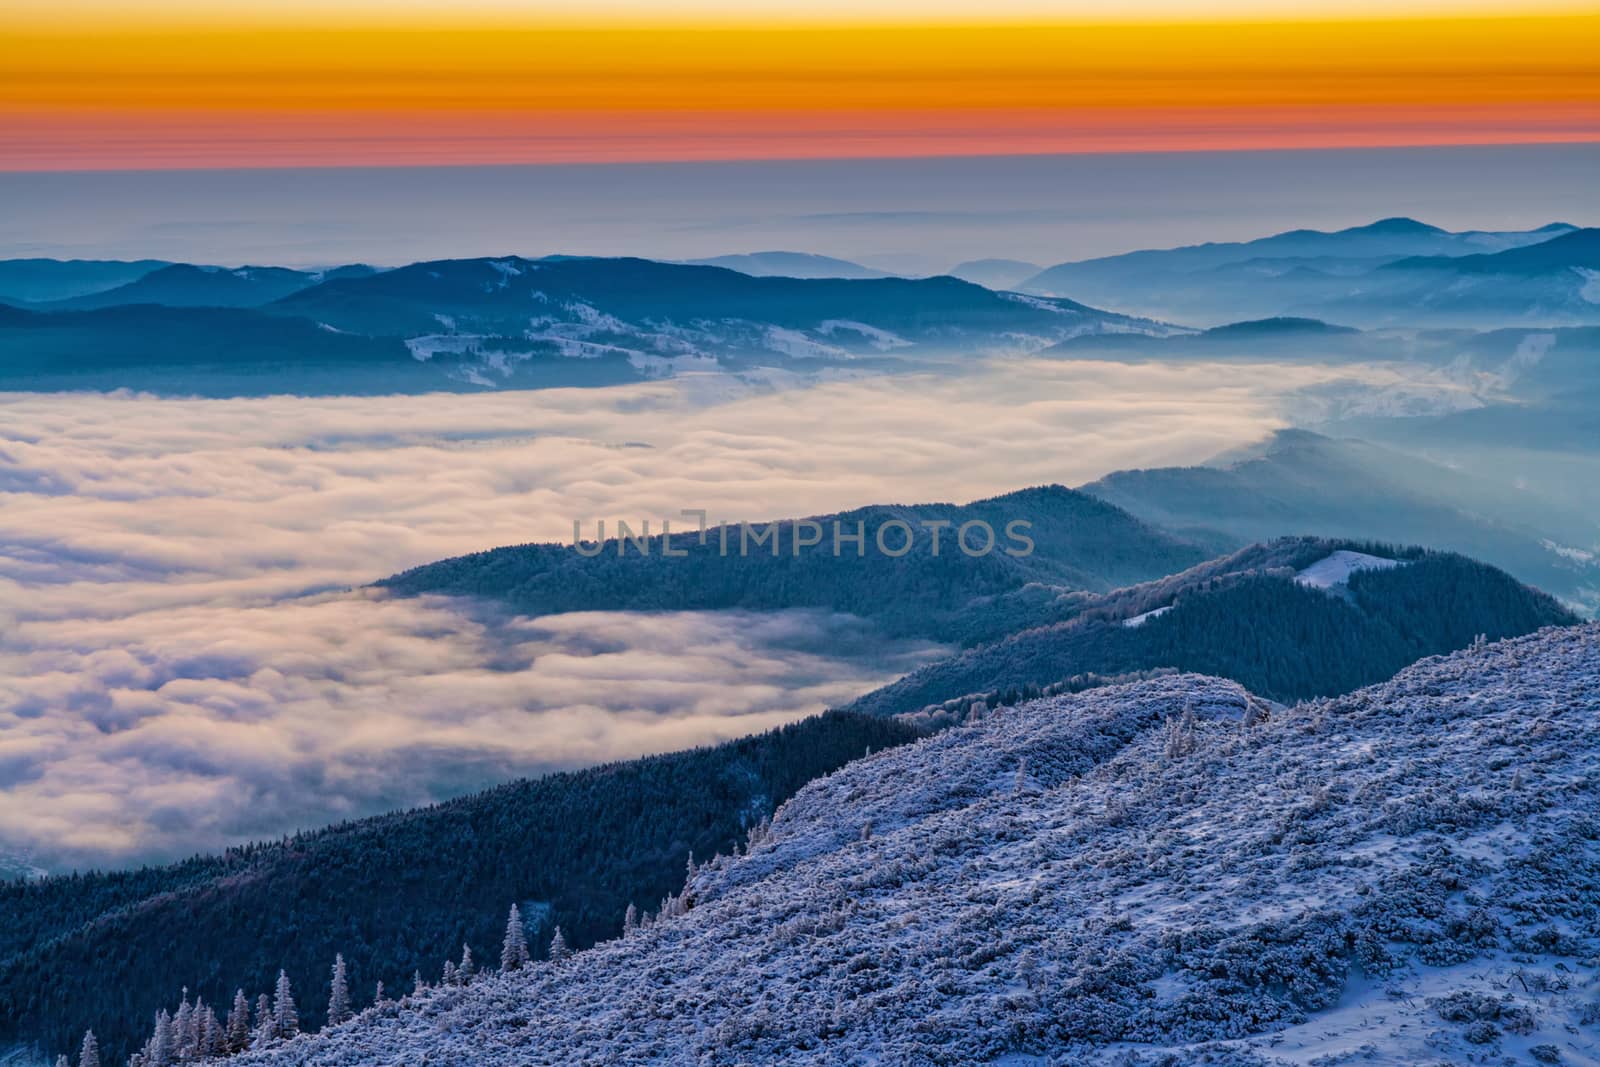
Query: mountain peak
{"type": "Point", "coordinates": [1280, 325]}
{"type": "Point", "coordinates": [1398, 224]}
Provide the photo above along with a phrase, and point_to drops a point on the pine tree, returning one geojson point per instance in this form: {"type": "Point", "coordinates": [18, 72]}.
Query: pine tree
{"type": "Point", "coordinates": [266, 1026]}
{"type": "Point", "coordinates": [62, 1061]}
{"type": "Point", "coordinates": [183, 1032]}
{"type": "Point", "coordinates": [417, 984]}
{"type": "Point", "coordinates": [285, 1018]}
{"type": "Point", "coordinates": [89, 1054]}
{"type": "Point", "coordinates": [338, 993]}
{"type": "Point", "coordinates": [465, 971]}
{"type": "Point", "coordinates": [211, 1040]}
{"type": "Point", "coordinates": [558, 947]}
{"type": "Point", "coordinates": [514, 949]}
{"type": "Point", "coordinates": [448, 977]}
{"type": "Point", "coordinates": [237, 1037]}
{"type": "Point", "coordinates": [160, 1054]}
{"type": "Point", "coordinates": [377, 996]}
{"type": "Point", "coordinates": [630, 921]}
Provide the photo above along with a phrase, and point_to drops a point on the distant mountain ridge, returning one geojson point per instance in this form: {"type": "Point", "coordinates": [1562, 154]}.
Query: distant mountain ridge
{"type": "Point", "coordinates": [186, 285]}
{"type": "Point", "coordinates": [1576, 248]}
{"type": "Point", "coordinates": [790, 265]}
{"type": "Point", "coordinates": [995, 273]}
{"type": "Point", "coordinates": [1345, 276]}
{"type": "Point", "coordinates": [1393, 237]}
{"type": "Point", "coordinates": [512, 322]}
{"type": "Point", "coordinates": [224, 352]}
{"type": "Point", "coordinates": [1556, 283]}
{"type": "Point", "coordinates": [25, 281]}
{"type": "Point", "coordinates": [1299, 482]}
{"type": "Point", "coordinates": [660, 310]}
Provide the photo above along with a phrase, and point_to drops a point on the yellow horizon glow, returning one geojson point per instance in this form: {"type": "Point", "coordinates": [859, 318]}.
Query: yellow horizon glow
{"type": "Point", "coordinates": [73, 16]}
{"type": "Point", "coordinates": [168, 94]}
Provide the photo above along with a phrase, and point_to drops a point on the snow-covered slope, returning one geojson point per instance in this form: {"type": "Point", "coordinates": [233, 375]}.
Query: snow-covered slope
{"type": "Point", "coordinates": [1337, 568]}
{"type": "Point", "coordinates": [1144, 874]}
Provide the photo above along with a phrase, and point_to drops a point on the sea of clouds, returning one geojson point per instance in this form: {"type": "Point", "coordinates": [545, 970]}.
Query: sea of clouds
{"type": "Point", "coordinates": [188, 657]}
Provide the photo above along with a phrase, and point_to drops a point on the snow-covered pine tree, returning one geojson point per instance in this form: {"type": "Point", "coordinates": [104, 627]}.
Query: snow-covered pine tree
{"type": "Point", "coordinates": [183, 1033]}
{"type": "Point", "coordinates": [448, 977]}
{"type": "Point", "coordinates": [62, 1061]}
{"type": "Point", "coordinates": [209, 1032]}
{"type": "Point", "coordinates": [465, 971]}
{"type": "Point", "coordinates": [630, 921]}
{"type": "Point", "coordinates": [160, 1052]}
{"type": "Point", "coordinates": [338, 993]}
{"type": "Point", "coordinates": [514, 948]}
{"type": "Point", "coordinates": [558, 947]}
{"type": "Point", "coordinates": [266, 1031]}
{"type": "Point", "coordinates": [89, 1052]}
{"type": "Point", "coordinates": [417, 984]}
{"type": "Point", "coordinates": [237, 1036]}
{"type": "Point", "coordinates": [285, 1017]}
{"type": "Point", "coordinates": [377, 995]}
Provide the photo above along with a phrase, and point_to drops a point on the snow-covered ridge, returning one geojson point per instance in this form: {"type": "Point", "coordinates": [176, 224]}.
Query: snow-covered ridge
{"type": "Point", "coordinates": [1410, 874]}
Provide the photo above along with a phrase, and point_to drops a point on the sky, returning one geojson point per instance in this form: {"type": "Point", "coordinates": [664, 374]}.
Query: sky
{"type": "Point", "coordinates": [164, 84]}
{"type": "Point", "coordinates": [912, 215]}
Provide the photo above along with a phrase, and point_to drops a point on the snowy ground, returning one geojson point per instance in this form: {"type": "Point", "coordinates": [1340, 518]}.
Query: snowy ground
{"type": "Point", "coordinates": [1138, 875]}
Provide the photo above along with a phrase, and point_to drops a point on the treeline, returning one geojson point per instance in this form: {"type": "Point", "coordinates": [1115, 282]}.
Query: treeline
{"type": "Point", "coordinates": [1280, 639]}
{"type": "Point", "coordinates": [397, 895]}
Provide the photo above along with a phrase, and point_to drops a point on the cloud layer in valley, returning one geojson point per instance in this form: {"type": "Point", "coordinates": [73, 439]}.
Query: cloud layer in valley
{"type": "Point", "coordinates": [188, 659]}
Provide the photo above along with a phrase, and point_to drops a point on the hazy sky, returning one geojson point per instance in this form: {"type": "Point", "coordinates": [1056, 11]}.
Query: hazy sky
{"type": "Point", "coordinates": [916, 214]}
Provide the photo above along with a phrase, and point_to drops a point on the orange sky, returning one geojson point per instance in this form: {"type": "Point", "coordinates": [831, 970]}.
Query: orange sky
{"type": "Point", "coordinates": [85, 88]}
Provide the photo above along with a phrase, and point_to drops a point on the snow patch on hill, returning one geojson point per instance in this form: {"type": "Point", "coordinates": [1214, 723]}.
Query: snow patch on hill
{"type": "Point", "coordinates": [1147, 874]}
{"type": "Point", "coordinates": [1337, 568]}
{"type": "Point", "coordinates": [1140, 619]}
{"type": "Point", "coordinates": [882, 340]}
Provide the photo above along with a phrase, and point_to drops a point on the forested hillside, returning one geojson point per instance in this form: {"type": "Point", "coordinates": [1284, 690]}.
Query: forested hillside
{"type": "Point", "coordinates": [1079, 544]}
{"type": "Point", "coordinates": [1247, 618]}
{"type": "Point", "coordinates": [393, 894]}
